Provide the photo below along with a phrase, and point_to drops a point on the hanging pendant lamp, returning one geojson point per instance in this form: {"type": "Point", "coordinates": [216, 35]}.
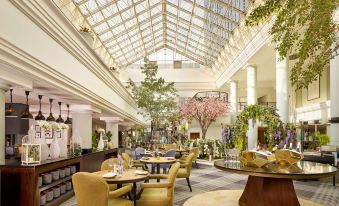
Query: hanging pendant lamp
{"type": "Point", "coordinates": [10, 112]}
{"type": "Point", "coordinates": [60, 120]}
{"type": "Point", "coordinates": [26, 114]}
{"type": "Point", "coordinates": [68, 120]}
{"type": "Point", "coordinates": [50, 118]}
{"type": "Point", "coordinates": [40, 116]}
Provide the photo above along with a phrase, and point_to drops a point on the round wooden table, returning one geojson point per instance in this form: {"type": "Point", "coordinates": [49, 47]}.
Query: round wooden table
{"type": "Point", "coordinates": [128, 176]}
{"type": "Point", "coordinates": [158, 162]}
{"type": "Point", "coordinates": [273, 185]}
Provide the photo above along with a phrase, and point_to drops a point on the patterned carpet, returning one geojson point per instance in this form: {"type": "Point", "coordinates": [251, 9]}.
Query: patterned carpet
{"type": "Point", "coordinates": [208, 178]}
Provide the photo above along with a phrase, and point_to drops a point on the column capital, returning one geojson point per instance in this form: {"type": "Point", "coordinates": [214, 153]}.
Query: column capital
{"type": "Point", "coordinates": [111, 119]}
{"type": "Point", "coordinates": [251, 66]}
{"type": "Point", "coordinates": [83, 109]}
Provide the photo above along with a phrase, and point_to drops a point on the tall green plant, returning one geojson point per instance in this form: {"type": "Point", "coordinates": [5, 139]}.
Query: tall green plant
{"type": "Point", "coordinates": [304, 29]}
{"type": "Point", "coordinates": [156, 98]}
{"type": "Point", "coordinates": [324, 139]}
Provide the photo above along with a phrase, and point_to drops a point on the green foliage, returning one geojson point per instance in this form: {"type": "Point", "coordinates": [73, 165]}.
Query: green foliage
{"type": "Point", "coordinates": [95, 141]}
{"type": "Point", "coordinates": [155, 97]}
{"type": "Point", "coordinates": [324, 139]}
{"type": "Point", "coordinates": [109, 135]}
{"type": "Point", "coordinates": [267, 115]}
{"type": "Point", "coordinates": [303, 28]}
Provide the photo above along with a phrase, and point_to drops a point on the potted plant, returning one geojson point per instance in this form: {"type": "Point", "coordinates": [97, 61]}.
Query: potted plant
{"type": "Point", "coordinates": [324, 139]}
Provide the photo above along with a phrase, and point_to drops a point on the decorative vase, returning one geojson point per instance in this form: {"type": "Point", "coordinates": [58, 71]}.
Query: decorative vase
{"type": "Point", "coordinates": [63, 143]}
{"type": "Point", "coordinates": [101, 143]}
{"type": "Point", "coordinates": [44, 146]}
{"type": "Point", "coordinates": [54, 148]}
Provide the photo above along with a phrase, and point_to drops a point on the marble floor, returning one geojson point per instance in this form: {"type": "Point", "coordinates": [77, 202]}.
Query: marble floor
{"type": "Point", "coordinates": [207, 178]}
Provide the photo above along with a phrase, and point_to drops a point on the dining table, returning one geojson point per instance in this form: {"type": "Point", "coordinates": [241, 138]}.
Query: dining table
{"type": "Point", "coordinates": [273, 184]}
{"type": "Point", "coordinates": [157, 161]}
{"type": "Point", "coordinates": [127, 177]}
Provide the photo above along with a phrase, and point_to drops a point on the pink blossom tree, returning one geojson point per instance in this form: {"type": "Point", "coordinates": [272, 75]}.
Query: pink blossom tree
{"type": "Point", "coordinates": [205, 110]}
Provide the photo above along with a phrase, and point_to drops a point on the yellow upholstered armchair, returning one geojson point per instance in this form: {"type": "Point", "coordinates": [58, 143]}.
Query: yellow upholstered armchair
{"type": "Point", "coordinates": [170, 146]}
{"type": "Point", "coordinates": [160, 193]}
{"type": "Point", "coordinates": [185, 169]}
{"type": "Point", "coordinates": [92, 190]}
{"type": "Point", "coordinates": [194, 150]}
{"type": "Point", "coordinates": [105, 166]}
{"type": "Point", "coordinates": [136, 163]}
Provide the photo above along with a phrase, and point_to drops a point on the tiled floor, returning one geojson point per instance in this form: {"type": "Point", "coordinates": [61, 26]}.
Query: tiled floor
{"type": "Point", "coordinates": [208, 178]}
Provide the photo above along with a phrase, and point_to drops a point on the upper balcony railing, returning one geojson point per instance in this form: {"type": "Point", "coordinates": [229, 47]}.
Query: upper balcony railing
{"type": "Point", "coordinates": [243, 105]}
{"type": "Point", "coordinates": [223, 96]}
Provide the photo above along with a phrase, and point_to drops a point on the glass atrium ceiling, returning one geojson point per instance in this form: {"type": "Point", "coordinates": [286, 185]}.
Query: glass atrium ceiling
{"type": "Point", "coordinates": [132, 29]}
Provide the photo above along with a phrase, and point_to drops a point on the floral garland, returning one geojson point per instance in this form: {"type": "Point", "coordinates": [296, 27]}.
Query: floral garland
{"type": "Point", "coordinates": [266, 115]}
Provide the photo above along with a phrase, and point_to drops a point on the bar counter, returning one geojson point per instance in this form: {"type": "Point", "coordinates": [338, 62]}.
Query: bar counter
{"type": "Point", "coordinates": [20, 183]}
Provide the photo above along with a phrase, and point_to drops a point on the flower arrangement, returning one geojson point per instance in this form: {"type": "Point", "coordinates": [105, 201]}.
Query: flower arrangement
{"type": "Point", "coordinates": [64, 126]}
{"type": "Point", "coordinates": [56, 126]}
{"type": "Point", "coordinates": [44, 124]}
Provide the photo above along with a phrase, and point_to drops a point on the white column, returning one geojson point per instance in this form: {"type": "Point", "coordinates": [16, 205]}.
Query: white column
{"type": "Point", "coordinates": [113, 127]}
{"type": "Point", "coordinates": [334, 107]}
{"type": "Point", "coordinates": [252, 99]}
{"type": "Point", "coordinates": [82, 127]}
{"type": "Point", "coordinates": [282, 87]}
{"type": "Point", "coordinates": [234, 99]}
{"type": "Point", "coordinates": [2, 126]}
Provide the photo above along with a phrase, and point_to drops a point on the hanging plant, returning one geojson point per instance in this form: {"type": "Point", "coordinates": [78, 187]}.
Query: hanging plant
{"type": "Point", "coordinates": [267, 116]}
{"type": "Point", "coordinates": [304, 29]}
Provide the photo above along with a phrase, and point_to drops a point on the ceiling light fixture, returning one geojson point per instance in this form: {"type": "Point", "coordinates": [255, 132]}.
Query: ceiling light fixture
{"type": "Point", "coordinates": [40, 116]}
{"type": "Point", "coordinates": [60, 120]}
{"type": "Point", "coordinates": [50, 118]}
{"type": "Point", "coordinates": [68, 120]}
{"type": "Point", "coordinates": [10, 112]}
{"type": "Point", "coordinates": [26, 114]}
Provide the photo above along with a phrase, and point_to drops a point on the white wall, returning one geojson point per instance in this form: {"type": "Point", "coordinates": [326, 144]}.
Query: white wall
{"type": "Point", "coordinates": [212, 132]}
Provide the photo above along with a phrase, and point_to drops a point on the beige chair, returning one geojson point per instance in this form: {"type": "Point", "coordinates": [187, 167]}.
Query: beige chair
{"type": "Point", "coordinates": [185, 169]}
{"type": "Point", "coordinates": [194, 150]}
{"type": "Point", "coordinates": [170, 146]}
{"type": "Point", "coordinates": [105, 166]}
{"type": "Point", "coordinates": [136, 163]}
{"type": "Point", "coordinates": [92, 190]}
{"type": "Point", "coordinates": [160, 193]}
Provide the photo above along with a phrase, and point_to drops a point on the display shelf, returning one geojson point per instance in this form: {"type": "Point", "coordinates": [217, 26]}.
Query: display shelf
{"type": "Point", "coordinates": [61, 199]}
{"type": "Point", "coordinates": [45, 187]}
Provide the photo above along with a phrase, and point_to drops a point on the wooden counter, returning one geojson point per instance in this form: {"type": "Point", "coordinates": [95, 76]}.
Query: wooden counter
{"type": "Point", "coordinates": [19, 183]}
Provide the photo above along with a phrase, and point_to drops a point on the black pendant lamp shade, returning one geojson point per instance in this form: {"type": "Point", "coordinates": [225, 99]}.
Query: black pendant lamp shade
{"type": "Point", "coordinates": [40, 116]}
{"type": "Point", "coordinates": [50, 118]}
{"type": "Point", "coordinates": [68, 120]}
{"type": "Point", "coordinates": [26, 114]}
{"type": "Point", "coordinates": [10, 112]}
{"type": "Point", "coordinates": [60, 120]}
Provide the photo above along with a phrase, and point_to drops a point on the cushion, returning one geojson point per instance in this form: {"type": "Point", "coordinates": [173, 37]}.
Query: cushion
{"type": "Point", "coordinates": [154, 197]}
{"type": "Point", "coordinates": [182, 173]}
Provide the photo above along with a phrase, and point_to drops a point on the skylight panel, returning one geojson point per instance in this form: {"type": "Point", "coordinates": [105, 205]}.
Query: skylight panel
{"type": "Point", "coordinates": [114, 21]}
{"type": "Point", "coordinates": [106, 36]}
{"type": "Point", "coordinates": [118, 29]}
{"type": "Point", "coordinates": [110, 10]}
{"type": "Point", "coordinates": [171, 9]}
{"type": "Point", "coordinates": [198, 22]}
{"type": "Point", "coordinates": [127, 14]}
{"type": "Point", "coordinates": [100, 28]}
{"type": "Point", "coordinates": [141, 7]}
{"type": "Point", "coordinates": [95, 18]}
{"type": "Point", "coordinates": [156, 10]}
{"type": "Point", "coordinates": [88, 7]}
{"type": "Point", "coordinates": [186, 5]}
{"type": "Point", "coordinates": [122, 4]}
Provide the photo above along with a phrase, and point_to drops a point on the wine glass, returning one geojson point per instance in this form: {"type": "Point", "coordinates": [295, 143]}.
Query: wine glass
{"type": "Point", "coordinates": [130, 164]}
{"type": "Point", "coordinates": [110, 165]}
